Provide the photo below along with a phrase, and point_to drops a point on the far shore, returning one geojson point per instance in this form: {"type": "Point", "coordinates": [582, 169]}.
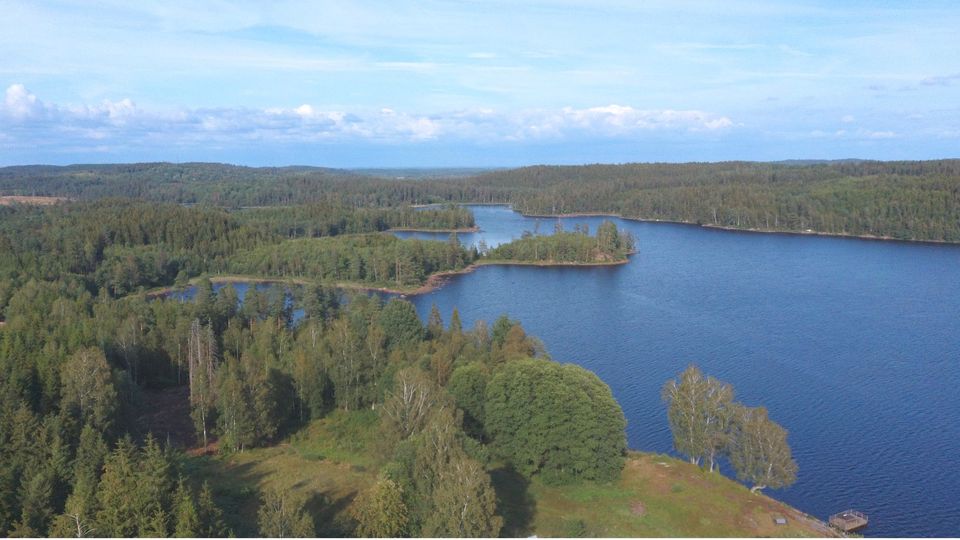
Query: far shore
{"type": "Point", "coordinates": [807, 232]}
{"type": "Point", "coordinates": [421, 229]}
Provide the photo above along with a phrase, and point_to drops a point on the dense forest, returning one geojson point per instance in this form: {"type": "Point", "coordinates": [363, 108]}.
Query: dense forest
{"type": "Point", "coordinates": [371, 259]}
{"type": "Point", "coordinates": [909, 200]}
{"type": "Point", "coordinates": [80, 373]}
{"type": "Point", "coordinates": [121, 245]}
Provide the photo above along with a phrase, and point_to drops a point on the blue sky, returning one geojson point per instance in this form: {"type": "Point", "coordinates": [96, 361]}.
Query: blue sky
{"type": "Point", "coordinates": [492, 83]}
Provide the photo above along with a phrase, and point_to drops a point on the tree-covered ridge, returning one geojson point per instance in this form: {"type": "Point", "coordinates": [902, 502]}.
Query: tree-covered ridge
{"type": "Point", "coordinates": [609, 245]}
{"type": "Point", "coordinates": [910, 200]}
{"type": "Point", "coordinates": [374, 259]}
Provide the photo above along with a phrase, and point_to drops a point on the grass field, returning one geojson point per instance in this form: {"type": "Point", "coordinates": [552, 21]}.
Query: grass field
{"type": "Point", "coordinates": [329, 461]}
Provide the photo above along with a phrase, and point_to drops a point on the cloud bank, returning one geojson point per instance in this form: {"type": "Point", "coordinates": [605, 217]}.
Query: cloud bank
{"type": "Point", "coordinates": [27, 120]}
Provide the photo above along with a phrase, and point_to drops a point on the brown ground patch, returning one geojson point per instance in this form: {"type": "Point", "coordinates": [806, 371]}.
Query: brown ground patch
{"type": "Point", "coordinates": [7, 200]}
{"type": "Point", "coordinates": [168, 417]}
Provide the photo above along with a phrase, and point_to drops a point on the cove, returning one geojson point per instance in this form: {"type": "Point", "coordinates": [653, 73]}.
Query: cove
{"type": "Point", "coordinates": [852, 345]}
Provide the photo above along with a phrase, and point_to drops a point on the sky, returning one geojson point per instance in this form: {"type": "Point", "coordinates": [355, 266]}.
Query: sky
{"type": "Point", "coordinates": [477, 83]}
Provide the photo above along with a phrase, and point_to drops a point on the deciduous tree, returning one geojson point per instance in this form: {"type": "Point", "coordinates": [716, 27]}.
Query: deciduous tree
{"type": "Point", "coordinates": [759, 451]}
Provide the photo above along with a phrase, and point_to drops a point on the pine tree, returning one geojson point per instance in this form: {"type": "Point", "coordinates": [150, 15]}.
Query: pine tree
{"type": "Point", "coordinates": [77, 519]}
{"type": "Point", "coordinates": [36, 511]}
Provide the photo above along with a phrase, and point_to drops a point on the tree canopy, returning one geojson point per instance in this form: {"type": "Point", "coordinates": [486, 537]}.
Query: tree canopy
{"type": "Point", "coordinates": [556, 420]}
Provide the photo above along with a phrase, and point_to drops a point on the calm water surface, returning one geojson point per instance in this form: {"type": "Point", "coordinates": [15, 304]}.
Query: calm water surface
{"type": "Point", "coordinates": [852, 345]}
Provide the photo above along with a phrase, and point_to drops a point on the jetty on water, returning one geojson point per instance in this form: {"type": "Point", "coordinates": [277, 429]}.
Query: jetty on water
{"type": "Point", "coordinates": [848, 520]}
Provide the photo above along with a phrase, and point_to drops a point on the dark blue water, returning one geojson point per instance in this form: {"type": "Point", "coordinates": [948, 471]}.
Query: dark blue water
{"type": "Point", "coordinates": [186, 294]}
{"type": "Point", "coordinates": [852, 345]}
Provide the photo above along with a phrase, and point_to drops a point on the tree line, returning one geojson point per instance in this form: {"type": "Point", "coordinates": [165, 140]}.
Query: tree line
{"type": "Point", "coordinates": [910, 200]}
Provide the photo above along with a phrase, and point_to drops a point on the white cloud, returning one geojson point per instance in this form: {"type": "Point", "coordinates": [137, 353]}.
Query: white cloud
{"type": "Point", "coordinates": [870, 134]}
{"type": "Point", "coordinates": [847, 119]}
{"type": "Point", "coordinates": [123, 121]}
{"type": "Point", "coordinates": [620, 119]}
{"type": "Point", "coordinates": [20, 103]}
{"type": "Point", "coordinates": [858, 134]}
{"type": "Point", "coordinates": [941, 80]}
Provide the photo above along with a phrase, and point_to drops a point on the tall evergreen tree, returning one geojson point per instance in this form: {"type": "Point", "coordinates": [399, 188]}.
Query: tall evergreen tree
{"type": "Point", "coordinates": [117, 513]}
{"type": "Point", "coordinates": [210, 515]}
{"type": "Point", "coordinates": [186, 518]}
{"type": "Point", "coordinates": [434, 323]}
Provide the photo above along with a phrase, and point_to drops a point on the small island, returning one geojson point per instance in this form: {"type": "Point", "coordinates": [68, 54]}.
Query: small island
{"type": "Point", "coordinates": [608, 246]}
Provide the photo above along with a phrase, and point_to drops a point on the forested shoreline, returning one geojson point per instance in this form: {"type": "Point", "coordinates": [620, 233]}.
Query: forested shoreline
{"type": "Point", "coordinates": [904, 200]}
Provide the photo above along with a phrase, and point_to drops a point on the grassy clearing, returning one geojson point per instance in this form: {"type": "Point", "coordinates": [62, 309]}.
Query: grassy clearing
{"type": "Point", "coordinates": [329, 461]}
{"type": "Point", "coordinates": [661, 496]}
{"type": "Point", "coordinates": [327, 464]}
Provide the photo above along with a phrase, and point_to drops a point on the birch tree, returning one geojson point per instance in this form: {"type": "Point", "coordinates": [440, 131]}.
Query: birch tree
{"type": "Point", "coordinates": [700, 411]}
{"type": "Point", "coordinates": [87, 387]}
{"type": "Point", "coordinates": [202, 361]}
{"type": "Point", "coordinates": [759, 451]}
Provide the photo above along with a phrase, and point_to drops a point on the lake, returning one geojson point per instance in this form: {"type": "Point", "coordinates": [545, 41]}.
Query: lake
{"type": "Point", "coordinates": [852, 345]}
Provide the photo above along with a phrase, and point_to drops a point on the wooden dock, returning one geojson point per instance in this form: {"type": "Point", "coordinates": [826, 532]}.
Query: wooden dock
{"type": "Point", "coordinates": [848, 520]}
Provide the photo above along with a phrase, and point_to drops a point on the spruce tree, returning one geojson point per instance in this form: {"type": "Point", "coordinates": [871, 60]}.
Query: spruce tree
{"type": "Point", "coordinates": [434, 323]}
{"type": "Point", "coordinates": [186, 518]}
{"type": "Point", "coordinates": [117, 513]}
{"type": "Point", "coordinates": [210, 515]}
